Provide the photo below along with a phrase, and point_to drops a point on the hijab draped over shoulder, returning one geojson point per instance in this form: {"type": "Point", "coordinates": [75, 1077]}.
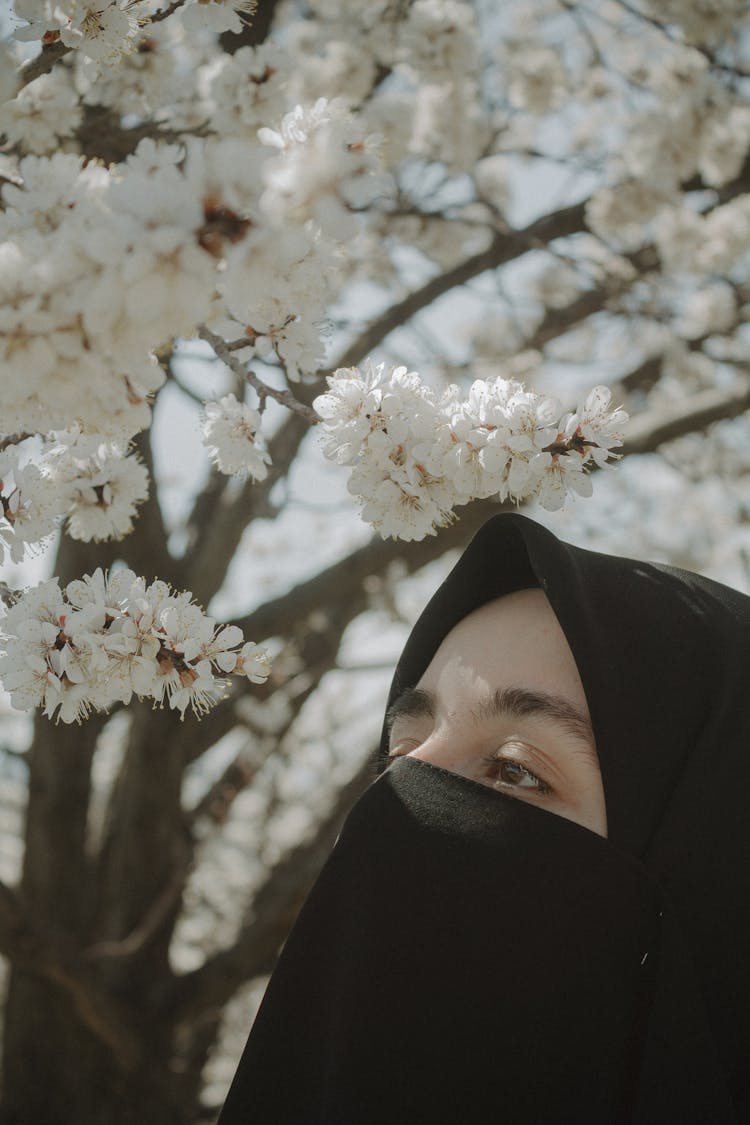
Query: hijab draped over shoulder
{"type": "Point", "coordinates": [467, 957]}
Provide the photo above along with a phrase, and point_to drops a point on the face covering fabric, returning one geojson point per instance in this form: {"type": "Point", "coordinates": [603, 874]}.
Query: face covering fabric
{"type": "Point", "coordinates": [466, 955]}
{"type": "Point", "coordinates": [461, 953]}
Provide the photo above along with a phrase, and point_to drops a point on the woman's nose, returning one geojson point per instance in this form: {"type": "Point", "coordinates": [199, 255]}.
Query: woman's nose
{"type": "Point", "coordinates": [442, 749]}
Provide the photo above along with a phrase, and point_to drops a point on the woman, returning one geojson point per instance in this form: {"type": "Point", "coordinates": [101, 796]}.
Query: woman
{"type": "Point", "coordinates": [539, 911]}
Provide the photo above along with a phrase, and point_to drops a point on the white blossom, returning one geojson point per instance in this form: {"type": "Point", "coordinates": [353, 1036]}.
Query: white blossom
{"type": "Point", "coordinates": [231, 433]}
{"type": "Point", "coordinates": [217, 15]}
{"type": "Point", "coordinates": [724, 145]}
{"type": "Point", "coordinates": [245, 90]}
{"type": "Point", "coordinates": [712, 308]}
{"type": "Point", "coordinates": [534, 76]}
{"type": "Point", "coordinates": [680, 235]}
{"type": "Point", "coordinates": [42, 113]}
{"type": "Point", "coordinates": [108, 637]}
{"type": "Point", "coordinates": [30, 508]}
{"type": "Point", "coordinates": [103, 34]}
{"type": "Point", "coordinates": [702, 21]}
{"type": "Point", "coordinates": [619, 214]}
{"type": "Point", "coordinates": [595, 428]}
{"type": "Point", "coordinates": [326, 167]}
{"type": "Point", "coordinates": [491, 175]}
{"type": "Point", "coordinates": [413, 458]}
{"type": "Point", "coordinates": [438, 39]}
{"type": "Point", "coordinates": [104, 484]}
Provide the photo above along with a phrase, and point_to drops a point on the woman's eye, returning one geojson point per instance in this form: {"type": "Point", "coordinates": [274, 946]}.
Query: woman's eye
{"type": "Point", "coordinates": [506, 772]}
{"type": "Point", "coordinates": [512, 775]}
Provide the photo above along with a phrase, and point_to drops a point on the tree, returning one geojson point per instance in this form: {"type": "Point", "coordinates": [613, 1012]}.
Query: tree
{"type": "Point", "coordinates": [559, 190]}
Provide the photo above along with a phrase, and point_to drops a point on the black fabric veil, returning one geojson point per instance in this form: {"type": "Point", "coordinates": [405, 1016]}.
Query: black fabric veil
{"type": "Point", "coordinates": [467, 957]}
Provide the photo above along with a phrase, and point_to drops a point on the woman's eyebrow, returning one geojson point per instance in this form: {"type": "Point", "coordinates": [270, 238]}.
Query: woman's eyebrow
{"type": "Point", "coordinates": [505, 703]}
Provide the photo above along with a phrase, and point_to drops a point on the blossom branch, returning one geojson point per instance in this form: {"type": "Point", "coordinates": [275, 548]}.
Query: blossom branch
{"type": "Point", "coordinates": [286, 398]}
{"type": "Point", "coordinates": [166, 12]}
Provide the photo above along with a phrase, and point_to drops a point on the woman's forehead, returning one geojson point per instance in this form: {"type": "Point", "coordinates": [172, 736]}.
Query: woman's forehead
{"type": "Point", "coordinates": [517, 625]}
{"type": "Point", "coordinates": [513, 641]}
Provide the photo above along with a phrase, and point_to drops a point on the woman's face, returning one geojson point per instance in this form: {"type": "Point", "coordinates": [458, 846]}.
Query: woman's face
{"type": "Point", "coordinates": [502, 703]}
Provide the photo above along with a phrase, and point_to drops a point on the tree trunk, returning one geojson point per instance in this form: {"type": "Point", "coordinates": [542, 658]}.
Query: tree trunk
{"type": "Point", "coordinates": [58, 1072]}
{"type": "Point", "coordinates": [84, 1040]}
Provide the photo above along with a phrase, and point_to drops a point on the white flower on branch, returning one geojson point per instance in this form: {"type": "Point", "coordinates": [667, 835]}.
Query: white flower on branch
{"type": "Point", "coordinates": [42, 112]}
{"type": "Point", "coordinates": [595, 428]}
{"type": "Point", "coordinates": [103, 33]}
{"type": "Point", "coordinates": [559, 477]}
{"type": "Point", "coordinates": [104, 484]}
{"type": "Point", "coordinates": [491, 175]}
{"type": "Point", "coordinates": [326, 168]}
{"type": "Point", "coordinates": [107, 638]}
{"type": "Point", "coordinates": [619, 214]}
{"type": "Point", "coordinates": [662, 149]}
{"type": "Point", "coordinates": [414, 457]}
{"type": "Point", "coordinates": [724, 145]}
{"type": "Point", "coordinates": [30, 507]}
{"type": "Point", "coordinates": [438, 40]}
{"type": "Point", "coordinates": [534, 76]}
{"type": "Point", "coordinates": [231, 434]}
{"type": "Point", "coordinates": [247, 89]}
{"type": "Point", "coordinates": [217, 15]}
{"type": "Point", "coordinates": [712, 308]}
{"type": "Point", "coordinates": [704, 21]}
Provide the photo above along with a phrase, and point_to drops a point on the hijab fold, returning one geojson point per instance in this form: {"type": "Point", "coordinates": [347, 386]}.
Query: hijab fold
{"type": "Point", "coordinates": [465, 956]}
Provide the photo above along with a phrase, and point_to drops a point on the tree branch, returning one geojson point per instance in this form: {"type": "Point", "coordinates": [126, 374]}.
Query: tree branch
{"type": "Point", "coordinates": [505, 246]}
{"type": "Point", "coordinates": [263, 390]}
{"type": "Point", "coordinates": [50, 54]}
{"type": "Point", "coordinates": [145, 549]}
{"type": "Point", "coordinates": [645, 434]}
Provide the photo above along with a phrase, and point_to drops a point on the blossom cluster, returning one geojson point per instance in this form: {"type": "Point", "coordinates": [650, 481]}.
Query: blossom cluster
{"type": "Point", "coordinates": [415, 455]}
{"type": "Point", "coordinates": [102, 267]}
{"type": "Point", "coordinates": [108, 637]}
{"type": "Point", "coordinates": [105, 33]}
{"type": "Point", "coordinates": [231, 434]}
{"type": "Point", "coordinates": [93, 484]}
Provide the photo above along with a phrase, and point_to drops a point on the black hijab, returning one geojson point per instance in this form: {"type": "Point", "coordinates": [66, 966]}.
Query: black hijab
{"type": "Point", "coordinates": [467, 957]}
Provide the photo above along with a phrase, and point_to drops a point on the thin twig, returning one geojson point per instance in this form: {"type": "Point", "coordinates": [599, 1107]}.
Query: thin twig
{"type": "Point", "coordinates": [167, 12]}
{"type": "Point", "coordinates": [42, 63]}
{"type": "Point", "coordinates": [286, 398]}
